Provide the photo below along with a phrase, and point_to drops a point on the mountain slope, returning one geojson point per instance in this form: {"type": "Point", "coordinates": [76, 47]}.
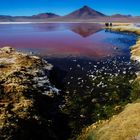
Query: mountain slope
{"type": "Point", "coordinates": [45, 15]}
{"type": "Point", "coordinates": [5, 18]}
{"type": "Point", "coordinates": [120, 16]}
{"type": "Point", "coordinates": [84, 12]}
{"type": "Point", "coordinates": [39, 17]}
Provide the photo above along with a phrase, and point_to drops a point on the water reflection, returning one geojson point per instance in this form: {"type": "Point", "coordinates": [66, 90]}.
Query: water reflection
{"type": "Point", "coordinates": [65, 40]}
{"type": "Point", "coordinates": [85, 30]}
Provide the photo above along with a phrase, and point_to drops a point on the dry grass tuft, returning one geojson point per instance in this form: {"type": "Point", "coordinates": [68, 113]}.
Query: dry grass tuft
{"type": "Point", "coordinates": [124, 126]}
{"type": "Point", "coordinates": [135, 51]}
{"type": "Point", "coordinates": [126, 28]}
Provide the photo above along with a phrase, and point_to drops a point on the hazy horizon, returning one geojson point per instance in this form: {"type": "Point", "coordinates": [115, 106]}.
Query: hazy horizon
{"type": "Point", "coordinates": [61, 7]}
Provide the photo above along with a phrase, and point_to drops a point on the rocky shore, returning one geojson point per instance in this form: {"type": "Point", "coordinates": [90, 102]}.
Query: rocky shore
{"type": "Point", "coordinates": [125, 125]}
{"type": "Point", "coordinates": [135, 51]}
{"type": "Point", "coordinates": [27, 97]}
{"type": "Point", "coordinates": [131, 28]}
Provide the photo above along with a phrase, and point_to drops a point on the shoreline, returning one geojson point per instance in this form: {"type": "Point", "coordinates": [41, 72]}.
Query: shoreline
{"type": "Point", "coordinates": [135, 49]}
{"type": "Point", "coordinates": [100, 22]}
{"type": "Point", "coordinates": [115, 128]}
{"type": "Point", "coordinates": [132, 28]}
{"type": "Point", "coordinates": [26, 92]}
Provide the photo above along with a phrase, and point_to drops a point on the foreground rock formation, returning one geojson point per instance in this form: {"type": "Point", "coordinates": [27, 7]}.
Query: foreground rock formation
{"type": "Point", "coordinates": [26, 97]}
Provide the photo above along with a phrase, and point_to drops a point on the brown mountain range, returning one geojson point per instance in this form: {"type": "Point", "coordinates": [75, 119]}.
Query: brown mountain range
{"type": "Point", "coordinates": [121, 16]}
{"type": "Point", "coordinates": [45, 15]}
{"type": "Point", "coordinates": [84, 13]}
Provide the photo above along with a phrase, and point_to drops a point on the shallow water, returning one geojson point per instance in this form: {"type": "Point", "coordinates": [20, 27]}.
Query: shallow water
{"type": "Point", "coordinates": [92, 66]}
{"type": "Point", "coordinates": [64, 40]}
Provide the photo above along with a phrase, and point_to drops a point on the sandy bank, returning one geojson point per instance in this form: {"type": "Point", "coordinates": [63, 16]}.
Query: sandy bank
{"type": "Point", "coordinates": [132, 28]}
{"type": "Point", "coordinates": [135, 51]}
{"type": "Point", "coordinates": [99, 22]}
{"type": "Point", "coordinates": [50, 22]}
{"type": "Point", "coordinates": [124, 126]}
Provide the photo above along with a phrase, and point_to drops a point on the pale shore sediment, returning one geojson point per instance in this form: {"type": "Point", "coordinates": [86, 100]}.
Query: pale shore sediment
{"type": "Point", "coordinates": [48, 22]}
{"type": "Point", "coordinates": [100, 22]}
{"type": "Point", "coordinates": [132, 28]}
{"type": "Point", "coordinates": [135, 51]}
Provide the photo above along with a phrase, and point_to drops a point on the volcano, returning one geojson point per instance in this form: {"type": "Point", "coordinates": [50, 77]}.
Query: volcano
{"type": "Point", "coordinates": [85, 13]}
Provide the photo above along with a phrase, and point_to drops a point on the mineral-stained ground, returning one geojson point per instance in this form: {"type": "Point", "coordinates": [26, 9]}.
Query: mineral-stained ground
{"type": "Point", "coordinates": [28, 100]}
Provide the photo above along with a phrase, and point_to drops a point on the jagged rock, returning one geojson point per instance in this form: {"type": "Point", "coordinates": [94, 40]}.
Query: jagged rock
{"type": "Point", "coordinates": [23, 104]}
{"type": "Point", "coordinates": [7, 49]}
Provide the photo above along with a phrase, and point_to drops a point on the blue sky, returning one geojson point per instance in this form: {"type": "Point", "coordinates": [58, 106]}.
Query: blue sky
{"type": "Point", "coordinates": [62, 7]}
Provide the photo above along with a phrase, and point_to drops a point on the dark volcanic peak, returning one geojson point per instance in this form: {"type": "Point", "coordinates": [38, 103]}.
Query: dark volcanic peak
{"type": "Point", "coordinates": [84, 12]}
{"type": "Point", "coordinates": [45, 15]}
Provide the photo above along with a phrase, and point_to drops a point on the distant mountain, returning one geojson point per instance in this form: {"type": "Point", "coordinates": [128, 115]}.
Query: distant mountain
{"type": "Point", "coordinates": [45, 15]}
{"type": "Point", "coordinates": [39, 17]}
{"type": "Point", "coordinates": [84, 13]}
{"type": "Point", "coordinates": [5, 18]}
{"type": "Point", "coordinates": [120, 16]}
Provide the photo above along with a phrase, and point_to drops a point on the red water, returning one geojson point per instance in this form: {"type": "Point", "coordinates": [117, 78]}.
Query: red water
{"type": "Point", "coordinates": [61, 40]}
